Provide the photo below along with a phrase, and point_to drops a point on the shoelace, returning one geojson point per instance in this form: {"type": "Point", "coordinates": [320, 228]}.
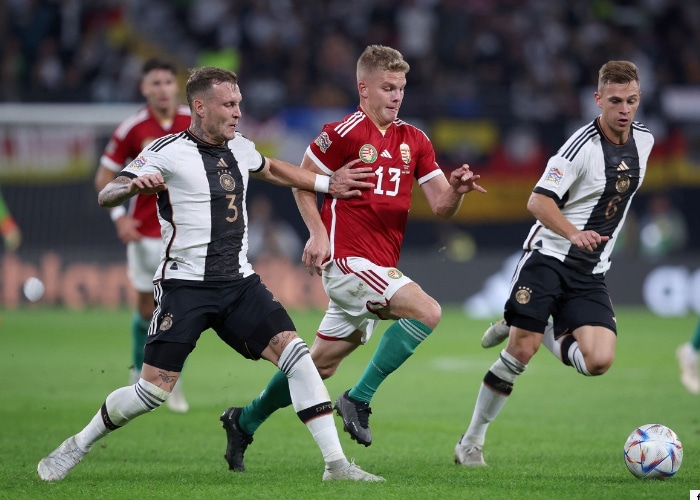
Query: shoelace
{"type": "Point", "coordinates": [363, 412]}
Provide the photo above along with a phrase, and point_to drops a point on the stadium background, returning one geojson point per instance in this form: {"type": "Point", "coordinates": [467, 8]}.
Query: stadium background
{"type": "Point", "coordinates": [498, 85]}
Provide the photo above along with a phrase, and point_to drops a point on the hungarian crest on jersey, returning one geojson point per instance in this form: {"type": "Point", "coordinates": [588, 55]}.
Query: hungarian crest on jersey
{"type": "Point", "coordinates": [368, 153]}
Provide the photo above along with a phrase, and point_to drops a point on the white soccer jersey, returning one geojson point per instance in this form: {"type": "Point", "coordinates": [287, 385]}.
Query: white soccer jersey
{"type": "Point", "coordinates": [593, 182]}
{"type": "Point", "coordinates": [202, 214]}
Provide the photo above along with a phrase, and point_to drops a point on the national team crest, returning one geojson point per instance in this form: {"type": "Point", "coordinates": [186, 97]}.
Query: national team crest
{"type": "Point", "coordinates": [227, 181]}
{"type": "Point", "coordinates": [405, 153]}
{"type": "Point", "coordinates": [323, 142]}
{"type": "Point", "coordinates": [523, 295]}
{"type": "Point", "coordinates": [368, 153]}
{"type": "Point", "coordinates": [166, 323]}
{"type": "Point", "coordinates": [622, 184]}
{"type": "Point", "coordinates": [394, 273]}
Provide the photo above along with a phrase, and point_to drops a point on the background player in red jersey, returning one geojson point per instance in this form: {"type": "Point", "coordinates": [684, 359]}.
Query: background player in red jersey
{"type": "Point", "coordinates": [355, 245]}
{"type": "Point", "coordinates": [139, 228]}
{"type": "Point", "coordinates": [11, 234]}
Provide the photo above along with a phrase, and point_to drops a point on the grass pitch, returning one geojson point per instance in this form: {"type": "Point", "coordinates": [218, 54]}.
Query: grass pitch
{"type": "Point", "coordinates": [559, 436]}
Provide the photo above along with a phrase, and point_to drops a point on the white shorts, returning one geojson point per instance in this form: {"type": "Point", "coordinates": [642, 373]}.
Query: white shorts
{"type": "Point", "coordinates": [142, 260]}
{"type": "Point", "coordinates": [356, 288]}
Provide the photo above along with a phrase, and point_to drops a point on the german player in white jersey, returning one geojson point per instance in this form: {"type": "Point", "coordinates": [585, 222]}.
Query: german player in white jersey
{"type": "Point", "coordinates": [580, 204]}
{"type": "Point", "coordinates": [355, 245]}
{"type": "Point", "coordinates": [204, 279]}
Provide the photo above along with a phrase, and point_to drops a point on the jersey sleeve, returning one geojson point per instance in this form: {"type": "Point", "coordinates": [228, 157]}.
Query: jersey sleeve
{"type": "Point", "coordinates": [558, 177]}
{"type": "Point", "coordinates": [116, 153]}
{"type": "Point", "coordinates": [329, 151]}
{"type": "Point", "coordinates": [253, 159]}
{"type": "Point", "coordinates": [426, 164]}
{"type": "Point", "coordinates": [148, 162]}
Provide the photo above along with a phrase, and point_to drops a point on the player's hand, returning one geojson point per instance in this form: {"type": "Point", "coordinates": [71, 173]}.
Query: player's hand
{"type": "Point", "coordinates": [316, 253]}
{"type": "Point", "coordinates": [463, 180]}
{"type": "Point", "coordinates": [347, 182]}
{"type": "Point", "coordinates": [127, 229]}
{"type": "Point", "coordinates": [587, 240]}
{"type": "Point", "coordinates": [148, 184]}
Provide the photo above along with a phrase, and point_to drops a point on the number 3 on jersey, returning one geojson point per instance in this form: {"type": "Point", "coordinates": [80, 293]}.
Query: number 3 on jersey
{"type": "Point", "coordinates": [393, 175]}
{"type": "Point", "coordinates": [232, 206]}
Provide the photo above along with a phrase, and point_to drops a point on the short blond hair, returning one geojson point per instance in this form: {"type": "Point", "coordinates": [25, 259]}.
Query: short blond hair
{"type": "Point", "coordinates": [380, 57]}
{"type": "Point", "coordinates": [617, 72]}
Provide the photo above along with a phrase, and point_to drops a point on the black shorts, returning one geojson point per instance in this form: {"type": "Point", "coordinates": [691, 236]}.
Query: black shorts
{"type": "Point", "coordinates": [543, 286]}
{"type": "Point", "coordinates": [243, 313]}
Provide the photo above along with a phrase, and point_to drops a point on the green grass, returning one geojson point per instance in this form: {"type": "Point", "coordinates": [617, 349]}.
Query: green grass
{"type": "Point", "coordinates": [560, 435]}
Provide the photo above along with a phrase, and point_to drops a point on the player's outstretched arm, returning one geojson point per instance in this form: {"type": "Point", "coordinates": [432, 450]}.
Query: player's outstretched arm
{"type": "Point", "coordinates": [122, 188]}
{"type": "Point", "coordinates": [317, 249]}
{"type": "Point", "coordinates": [445, 196]}
{"type": "Point", "coordinates": [346, 182]}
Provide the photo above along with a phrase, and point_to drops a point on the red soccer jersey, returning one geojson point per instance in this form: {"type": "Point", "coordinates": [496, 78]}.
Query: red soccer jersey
{"type": "Point", "coordinates": [127, 141]}
{"type": "Point", "coordinates": [373, 225]}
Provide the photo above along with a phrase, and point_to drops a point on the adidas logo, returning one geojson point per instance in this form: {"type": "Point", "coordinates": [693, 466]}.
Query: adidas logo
{"type": "Point", "coordinates": [385, 154]}
{"type": "Point", "coordinates": [222, 164]}
{"type": "Point", "coordinates": [623, 166]}
{"type": "Point", "coordinates": [174, 266]}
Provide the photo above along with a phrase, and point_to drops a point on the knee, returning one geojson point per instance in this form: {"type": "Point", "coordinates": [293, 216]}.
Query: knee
{"type": "Point", "coordinates": [146, 313]}
{"type": "Point", "coordinates": [431, 314]}
{"type": "Point", "coordinates": [326, 371]}
{"type": "Point", "coordinates": [523, 348]}
{"type": "Point", "coordinates": [145, 306]}
{"type": "Point", "coordinates": [598, 365]}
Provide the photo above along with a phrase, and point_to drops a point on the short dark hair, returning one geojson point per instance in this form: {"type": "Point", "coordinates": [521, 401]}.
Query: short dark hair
{"type": "Point", "coordinates": [158, 63]}
{"type": "Point", "coordinates": [202, 79]}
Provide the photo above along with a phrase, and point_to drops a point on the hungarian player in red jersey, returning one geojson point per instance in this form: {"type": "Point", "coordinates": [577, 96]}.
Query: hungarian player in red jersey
{"type": "Point", "coordinates": [355, 245]}
{"type": "Point", "coordinates": [138, 227]}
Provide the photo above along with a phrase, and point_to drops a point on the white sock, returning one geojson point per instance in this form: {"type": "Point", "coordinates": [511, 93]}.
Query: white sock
{"type": "Point", "coordinates": [489, 402]}
{"type": "Point", "coordinates": [311, 400]}
{"type": "Point", "coordinates": [572, 356]}
{"type": "Point", "coordinates": [553, 345]}
{"type": "Point", "coordinates": [576, 359]}
{"type": "Point", "coordinates": [120, 407]}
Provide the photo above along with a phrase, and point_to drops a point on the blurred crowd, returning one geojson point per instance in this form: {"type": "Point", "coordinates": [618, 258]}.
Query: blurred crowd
{"type": "Point", "coordinates": [507, 59]}
{"type": "Point", "coordinates": [527, 68]}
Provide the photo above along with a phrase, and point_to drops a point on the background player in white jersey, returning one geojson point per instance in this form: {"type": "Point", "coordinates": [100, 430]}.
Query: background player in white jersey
{"type": "Point", "coordinates": [205, 280]}
{"type": "Point", "coordinates": [355, 245]}
{"type": "Point", "coordinates": [139, 228]}
{"type": "Point", "coordinates": [580, 204]}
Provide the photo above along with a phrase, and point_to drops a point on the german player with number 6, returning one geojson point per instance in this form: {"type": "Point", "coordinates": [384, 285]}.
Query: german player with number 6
{"type": "Point", "coordinates": [580, 204]}
{"type": "Point", "coordinates": [355, 245]}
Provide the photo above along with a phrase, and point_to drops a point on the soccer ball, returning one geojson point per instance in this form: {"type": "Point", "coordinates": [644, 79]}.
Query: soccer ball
{"type": "Point", "coordinates": [653, 450]}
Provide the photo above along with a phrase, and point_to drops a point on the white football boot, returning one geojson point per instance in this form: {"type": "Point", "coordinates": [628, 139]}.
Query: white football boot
{"type": "Point", "coordinates": [59, 463]}
{"type": "Point", "coordinates": [495, 334]}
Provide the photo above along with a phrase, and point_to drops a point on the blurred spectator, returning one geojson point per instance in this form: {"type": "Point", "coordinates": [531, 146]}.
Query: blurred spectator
{"type": "Point", "coordinates": [662, 229]}
{"type": "Point", "coordinates": [507, 61]}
